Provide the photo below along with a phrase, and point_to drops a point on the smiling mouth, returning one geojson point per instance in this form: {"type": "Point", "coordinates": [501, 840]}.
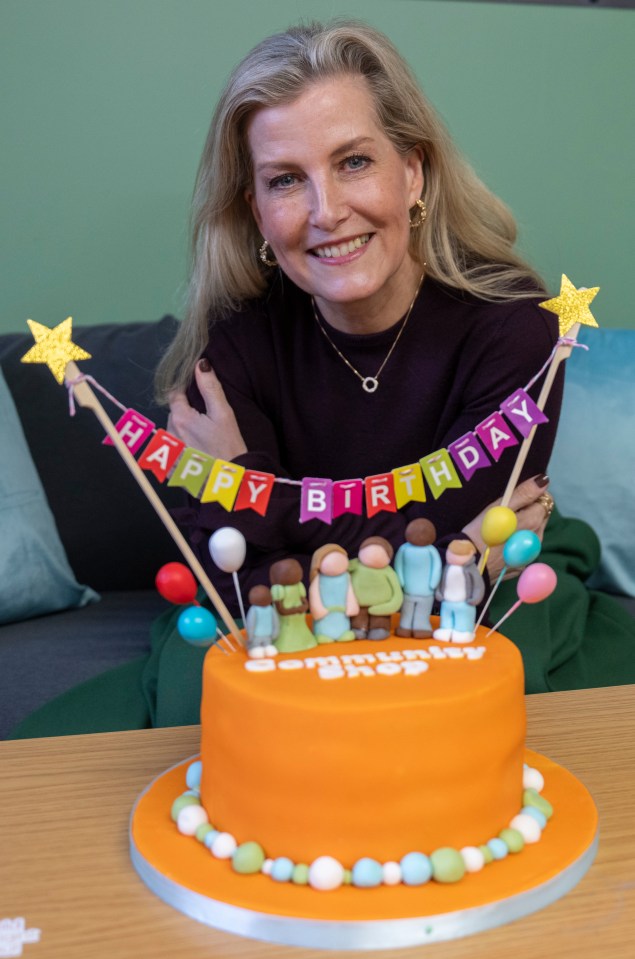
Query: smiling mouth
{"type": "Point", "coordinates": [341, 249]}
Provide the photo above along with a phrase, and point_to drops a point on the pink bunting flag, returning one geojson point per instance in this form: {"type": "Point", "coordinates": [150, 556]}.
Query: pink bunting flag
{"type": "Point", "coordinates": [495, 435]}
{"type": "Point", "coordinates": [134, 429]}
{"type": "Point", "coordinates": [348, 497]}
{"type": "Point", "coordinates": [316, 499]}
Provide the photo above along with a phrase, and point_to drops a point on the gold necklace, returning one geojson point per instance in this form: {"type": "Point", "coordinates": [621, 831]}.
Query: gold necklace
{"type": "Point", "coordinates": [370, 383]}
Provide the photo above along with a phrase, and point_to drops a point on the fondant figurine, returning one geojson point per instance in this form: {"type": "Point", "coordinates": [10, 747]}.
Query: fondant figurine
{"type": "Point", "coordinates": [262, 623]}
{"type": "Point", "coordinates": [418, 568]}
{"type": "Point", "coordinates": [460, 591]}
{"type": "Point", "coordinates": [289, 595]}
{"type": "Point", "coordinates": [376, 588]}
{"type": "Point", "coordinates": [331, 598]}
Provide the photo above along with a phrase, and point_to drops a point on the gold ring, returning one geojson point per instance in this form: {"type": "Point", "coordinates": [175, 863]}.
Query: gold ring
{"type": "Point", "coordinates": [547, 502]}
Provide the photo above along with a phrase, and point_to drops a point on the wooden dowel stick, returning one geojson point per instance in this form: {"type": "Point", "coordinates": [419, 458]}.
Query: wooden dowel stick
{"type": "Point", "coordinates": [87, 399]}
{"type": "Point", "coordinates": [562, 353]}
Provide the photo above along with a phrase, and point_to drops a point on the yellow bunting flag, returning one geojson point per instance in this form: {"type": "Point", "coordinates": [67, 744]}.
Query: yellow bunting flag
{"type": "Point", "coordinates": [408, 485]}
{"type": "Point", "coordinates": [223, 484]}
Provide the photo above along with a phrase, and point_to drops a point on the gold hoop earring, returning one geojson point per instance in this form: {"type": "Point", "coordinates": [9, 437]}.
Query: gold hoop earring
{"type": "Point", "coordinates": [262, 253]}
{"type": "Point", "coordinates": [421, 215]}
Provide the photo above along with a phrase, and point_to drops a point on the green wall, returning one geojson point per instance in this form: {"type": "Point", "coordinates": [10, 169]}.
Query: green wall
{"type": "Point", "coordinates": [105, 107]}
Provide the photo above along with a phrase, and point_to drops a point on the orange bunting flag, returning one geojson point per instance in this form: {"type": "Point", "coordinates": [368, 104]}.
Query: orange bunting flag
{"type": "Point", "coordinates": [408, 483]}
{"type": "Point", "coordinates": [191, 471]}
{"type": "Point", "coordinates": [380, 494]}
{"type": "Point", "coordinates": [255, 491]}
{"type": "Point", "coordinates": [161, 454]}
{"type": "Point", "coordinates": [440, 472]}
{"type": "Point", "coordinates": [223, 484]}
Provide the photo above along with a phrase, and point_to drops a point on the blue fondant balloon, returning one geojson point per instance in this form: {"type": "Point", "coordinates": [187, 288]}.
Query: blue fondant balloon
{"type": "Point", "coordinates": [521, 548]}
{"type": "Point", "coordinates": [197, 625]}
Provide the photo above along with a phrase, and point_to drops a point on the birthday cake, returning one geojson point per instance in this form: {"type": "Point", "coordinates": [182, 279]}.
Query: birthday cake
{"type": "Point", "coordinates": [374, 783]}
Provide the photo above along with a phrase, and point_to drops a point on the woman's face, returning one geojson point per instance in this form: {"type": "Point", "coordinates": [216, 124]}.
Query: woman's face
{"type": "Point", "coordinates": [332, 196]}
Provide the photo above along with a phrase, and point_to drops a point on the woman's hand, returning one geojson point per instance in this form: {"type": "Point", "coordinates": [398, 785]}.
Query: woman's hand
{"type": "Point", "coordinates": [215, 431]}
{"type": "Point", "coordinates": [530, 515]}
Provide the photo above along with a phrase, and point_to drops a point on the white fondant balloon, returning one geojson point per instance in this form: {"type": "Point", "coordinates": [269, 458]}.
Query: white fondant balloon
{"type": "Point", "coordinates": [227, 548]}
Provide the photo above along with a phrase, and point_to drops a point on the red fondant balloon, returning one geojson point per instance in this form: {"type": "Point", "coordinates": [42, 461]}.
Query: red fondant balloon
{"type": "Point", "coordinates": [176, 583]}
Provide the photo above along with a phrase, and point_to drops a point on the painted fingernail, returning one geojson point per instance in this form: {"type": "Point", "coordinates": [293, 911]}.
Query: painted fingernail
{"type": "Point", "coordinates": [542, 480]}
{"type": "Point", "coordinates": [204, 365]}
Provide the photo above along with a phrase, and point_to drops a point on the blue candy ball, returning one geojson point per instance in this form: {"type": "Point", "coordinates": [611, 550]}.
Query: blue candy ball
{"type": "Point", "coordinates": [282, 869]}
{"type": "Point", "coordinates": [367, 873]}
{"type": "Point", "coordinates": [540, 817]}
{"type": "Point", "coordinates": [416, 869]}
{"type": "Point", "coordinates": [197, 625]}
{"type": "Point", "coordinates": [498, 848]}
{"type": "Point", "coordinates": [193, 775]}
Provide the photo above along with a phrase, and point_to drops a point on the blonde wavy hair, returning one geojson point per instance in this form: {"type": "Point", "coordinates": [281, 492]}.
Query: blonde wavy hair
{"type": "Point", "coordinates": [468, 238]}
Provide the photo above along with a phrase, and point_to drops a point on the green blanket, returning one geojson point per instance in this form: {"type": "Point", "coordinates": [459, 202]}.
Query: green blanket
{"type": "Point", "coordinates": [574, 639]}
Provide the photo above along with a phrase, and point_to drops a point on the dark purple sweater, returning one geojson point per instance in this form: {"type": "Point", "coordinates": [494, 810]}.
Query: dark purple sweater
{"type": "Point", "coordinates": [302, 412]}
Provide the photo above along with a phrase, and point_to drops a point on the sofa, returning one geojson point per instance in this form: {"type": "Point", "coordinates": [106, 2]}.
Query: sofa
{"type": "Point", "coordinates": [80, 545]}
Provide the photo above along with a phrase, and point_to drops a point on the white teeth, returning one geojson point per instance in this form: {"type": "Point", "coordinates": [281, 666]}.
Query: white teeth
{"type": "Point", "coordinates": [332, 252]}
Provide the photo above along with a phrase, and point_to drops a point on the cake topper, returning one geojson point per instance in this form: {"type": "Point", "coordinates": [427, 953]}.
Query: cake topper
{"type": "Point", "coordinates": [460, 591]}
{"type": "Point", "coordinates": [418, 568]}
{"type": "Point", "coordinates": [376, 587]}
{"type": "Point", "coordinates": [289, 595]}
{"type": "Point", "coordinates": [498, 525]}
{"type": "Point", "coordinates": [262, 623]}
{"type": "Point", "coordinates": [331, 598]}
{"type": "Point", "coordinates": [535, 583]}
{"type": "Point", "coordinates": [522, 548]}
{"type": "Point", "coordinates": [56, 349]}
{"type": "Point", "coordinates": [228, 548]}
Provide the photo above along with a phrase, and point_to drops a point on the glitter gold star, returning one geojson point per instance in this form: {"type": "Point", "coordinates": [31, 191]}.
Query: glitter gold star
{"type": "Point", "coordinates": [54, 347]}
{"type": "Point", "coordinates": [572, 306]}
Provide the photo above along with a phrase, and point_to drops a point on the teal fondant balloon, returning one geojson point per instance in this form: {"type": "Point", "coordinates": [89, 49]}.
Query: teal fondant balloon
{"type": "Point", "coordinates": [521, 548]}
{"type": "Point", "coordinates": [197, 625]}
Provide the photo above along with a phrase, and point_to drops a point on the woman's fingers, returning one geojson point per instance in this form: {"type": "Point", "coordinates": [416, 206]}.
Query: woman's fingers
{"type": "Point", "coordinates": [215, 431]}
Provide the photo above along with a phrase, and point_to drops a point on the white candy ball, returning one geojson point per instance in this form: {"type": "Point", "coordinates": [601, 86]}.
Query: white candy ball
{"type": "Point", "coordinates": [190, 818]}
{"type": "Point", "coordinates": [267, 866]}
{"type": "Point", "coordinates": [533, 779]}
{"type": "Point", "coordinates": [527, 826]}
{"type": "Point", "coordinates": [326, 873]}
{"type": "Point", "coordinates": [391, 873]}
{"type": "Point", "coordinates": [473, 858]}
{"type": "Point", "coordinates": [224, 846]}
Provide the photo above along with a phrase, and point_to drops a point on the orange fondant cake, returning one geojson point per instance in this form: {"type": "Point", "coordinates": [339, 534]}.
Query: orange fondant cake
{"type": "Point", "coordinates": [364, 749]}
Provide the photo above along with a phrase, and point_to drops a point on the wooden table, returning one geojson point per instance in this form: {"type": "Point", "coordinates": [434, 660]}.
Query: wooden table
{"type": "Point", "coordinates": [65, 868]}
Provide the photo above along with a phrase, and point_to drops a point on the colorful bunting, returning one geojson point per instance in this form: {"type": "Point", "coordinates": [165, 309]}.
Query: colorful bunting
{"type": "Point", "coordinates": [380, 494]}
{"type": "Point", "coordinates": [408, 483]}
{"type": "Point", "coordinates": [161, 454]}
{"type": "Point", "coordinates": [316, 499]}
{"type": "Point", "coordinates": [469, 455]}
{"type": "Point", "coordinates": [191, 471]}
{"type": "Point", "coordinates": [134, 429]}
{"type": "Point", "coordinates": [522, 412]}
{"type": "Point", "coordinates": [440, 472]}
{"type": "Point", "coordinates": [495, 435]}
{"type": "Point", "coordinates": [255, 491]}
{"type": "Point", "coordinates": [223, 484]}
{"type": "Point", "coordinates": [348, 497]}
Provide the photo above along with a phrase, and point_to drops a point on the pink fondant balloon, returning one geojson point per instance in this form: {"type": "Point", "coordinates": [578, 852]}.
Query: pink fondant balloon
{"type": "Point", "coordinates": [535, 583]}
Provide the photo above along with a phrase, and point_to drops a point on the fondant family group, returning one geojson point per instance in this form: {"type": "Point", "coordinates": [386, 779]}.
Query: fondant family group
{"type": "Point", "coordinates": [355, 599]}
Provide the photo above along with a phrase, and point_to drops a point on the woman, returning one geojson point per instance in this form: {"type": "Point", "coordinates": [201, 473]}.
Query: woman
{"type": "Point", "coordinates": [355, 297]}
{"type": "Point", "coordinates": [355, 303]}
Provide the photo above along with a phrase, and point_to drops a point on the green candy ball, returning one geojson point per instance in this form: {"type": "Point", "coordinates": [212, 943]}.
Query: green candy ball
{"type": "Point", "coordinates": [248, 858]}
{"type": "Point", "coordinates": [203, 830]}
{"type": "Point", "coordinates": [300, 874]}
{"type": "Point", "coordinates": [447, 865]}
{"type": "Point", "coordinates": [180, 803]}
{"type": "Point", "coordinates": [512, 839]}
{"type": "Point", "coordinates": [533, 798]}
{"type": "Point", "coordinates": [487, 854]}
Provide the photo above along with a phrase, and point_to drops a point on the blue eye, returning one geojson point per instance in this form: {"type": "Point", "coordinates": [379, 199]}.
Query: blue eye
{"type": "Point", "coordinates": [283, 181]}
{"type": "Point", "coordinates": [356, 162]}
